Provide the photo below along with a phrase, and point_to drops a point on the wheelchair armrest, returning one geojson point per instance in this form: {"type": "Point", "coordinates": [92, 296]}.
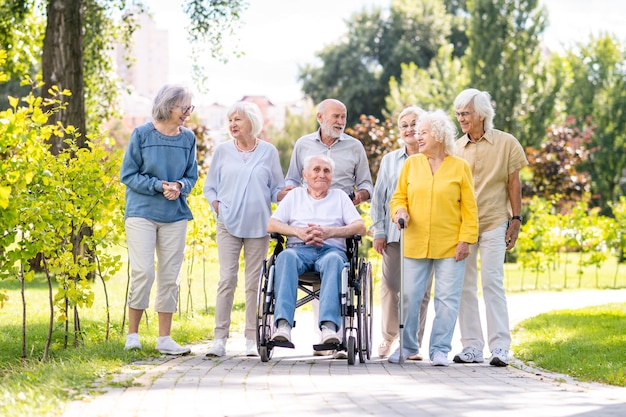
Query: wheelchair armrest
{"type": "Point", "coordinates": [280, 243]}
{"type": "Point", "coordinates": [277, 237]}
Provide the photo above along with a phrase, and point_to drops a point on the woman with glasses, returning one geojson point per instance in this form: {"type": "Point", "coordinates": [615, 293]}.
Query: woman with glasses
{"type": "Point", "coordinates": [159, 170]}
{"type": "Point", "coordinates": [244, 179]}
{"type": "Point", "coordinates": [387, 235]}
{"type": "Point", "coordinates": [435, 198]}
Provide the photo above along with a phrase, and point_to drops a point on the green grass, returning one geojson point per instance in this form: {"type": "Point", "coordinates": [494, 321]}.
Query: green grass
{"type": "Point", "coordinates": [566, 275]}
{"type": "Point", "coordinates": [588, 344]}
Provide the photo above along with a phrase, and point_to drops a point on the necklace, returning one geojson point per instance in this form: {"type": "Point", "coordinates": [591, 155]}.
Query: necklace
{"type": "Point", "coordinates": [256, 143]}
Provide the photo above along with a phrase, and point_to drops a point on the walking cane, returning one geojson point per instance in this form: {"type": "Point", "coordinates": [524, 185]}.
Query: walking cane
{"type": "Point", "coordinates": [401, 306]}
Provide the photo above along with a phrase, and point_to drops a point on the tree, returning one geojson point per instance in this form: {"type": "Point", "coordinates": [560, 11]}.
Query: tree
{"type": "Point", "coordinates": [297, 123]}
{"type": "Point", "coordinates": [504, 38]}
{"type": "Point", "coordinates": [430, 89]}
{"type": "Point", "coordinates": [82, 65]}
{"type": "Point", "coordinates": [596, 95]}
{"type": "Point", "coordinates": [357, 70]}
{"type": "Point", "coordinates": [377, 138]}
{"type": "Point", "coordinates": [62, 64]}
{"type": "Point", "coordinates": [555, 167]}
{"type": "Point", "coordinates": [21, 37]}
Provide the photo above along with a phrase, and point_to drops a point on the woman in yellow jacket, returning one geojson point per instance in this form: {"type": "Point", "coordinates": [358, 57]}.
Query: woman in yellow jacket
{"type": "Point", "coordinates": [435, 197]}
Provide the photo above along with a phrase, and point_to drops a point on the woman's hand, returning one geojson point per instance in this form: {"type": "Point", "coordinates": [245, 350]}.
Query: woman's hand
{"type": "Point", "coordinates": [171, 190]}
{"type": "Point", "coordinates": [462, 251]}
{"type": "Point", "coordinates": [282, 193]}
{"type": "Point", "coordinates": [401, 214]}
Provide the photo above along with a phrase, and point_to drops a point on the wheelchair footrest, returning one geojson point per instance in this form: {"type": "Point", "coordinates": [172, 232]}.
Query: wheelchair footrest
{"type": "Point", "coordinates": [281, 343]}
{"type": "Point", "coordinates": [327, 346]}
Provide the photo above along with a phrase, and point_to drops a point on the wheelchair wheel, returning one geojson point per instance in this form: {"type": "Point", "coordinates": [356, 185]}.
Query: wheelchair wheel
{"type": "Point", "coordinates": [264, 316]}
{"type": "Point", "coordinates": [351, 350]}
{"type": "Point", "coordinates": [265, 353]}
{"type": "Point", "coordinates": [364, 308]}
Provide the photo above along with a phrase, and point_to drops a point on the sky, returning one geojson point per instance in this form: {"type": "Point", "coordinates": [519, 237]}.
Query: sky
{"type": "Point", "coordinates": [280, 36]}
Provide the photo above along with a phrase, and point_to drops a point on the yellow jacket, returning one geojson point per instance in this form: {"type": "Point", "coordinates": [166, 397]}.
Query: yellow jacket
{"type": "Point", "coordinates": [441, 206]}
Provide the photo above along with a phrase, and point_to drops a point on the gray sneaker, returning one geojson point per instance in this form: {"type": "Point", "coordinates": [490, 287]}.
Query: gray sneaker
{"type": "Point", "coordinates": [469, 355]}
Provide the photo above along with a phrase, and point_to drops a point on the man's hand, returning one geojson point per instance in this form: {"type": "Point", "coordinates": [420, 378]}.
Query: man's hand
{"type": "Point", "coordinates": [380, 244]}
{"type": "Point", "coordinates": [316, 235]}
{"type": "Point", "coordinates": [360, 196]}
{"type": "Point", "coordinates": [511, 234]}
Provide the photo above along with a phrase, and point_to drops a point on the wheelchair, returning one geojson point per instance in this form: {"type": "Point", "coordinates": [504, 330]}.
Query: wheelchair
{"type": "Point", "coordinates": [356, 304]}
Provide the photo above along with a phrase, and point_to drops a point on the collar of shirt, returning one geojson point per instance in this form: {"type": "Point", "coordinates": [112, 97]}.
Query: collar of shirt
{"type": "Point", "coordinates": [488, 136]}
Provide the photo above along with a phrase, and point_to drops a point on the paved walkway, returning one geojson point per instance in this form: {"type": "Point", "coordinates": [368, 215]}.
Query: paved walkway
{"type": "Point", "coordinates": [294, 383]}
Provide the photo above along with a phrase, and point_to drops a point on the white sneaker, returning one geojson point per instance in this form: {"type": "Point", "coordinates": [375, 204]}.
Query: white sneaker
{"type": "Point", "coordinates": [329, 335]}
{"type": "Point", "coordinates": [251, 348]}
{"type": "Point", "coordinates": [439, 359]}
{"type": "Point", "coordinates": [168, 346]}
{"type": "Point", "coordinates": [132, 342]}
{"type": "Point", "coordinates": [282, 332]}
{"type": "Point", "coordinates": [218, 348]}
{"type": "Point", "coordinates": [499, 357]}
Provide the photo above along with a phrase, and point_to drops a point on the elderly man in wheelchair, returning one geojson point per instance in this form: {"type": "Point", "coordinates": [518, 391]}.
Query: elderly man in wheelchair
{"type": "Point", "coordinates": [316, 220]}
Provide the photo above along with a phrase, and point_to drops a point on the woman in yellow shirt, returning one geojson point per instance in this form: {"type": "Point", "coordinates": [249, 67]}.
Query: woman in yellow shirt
{"type": "Point", "coordinates": [435, 197]}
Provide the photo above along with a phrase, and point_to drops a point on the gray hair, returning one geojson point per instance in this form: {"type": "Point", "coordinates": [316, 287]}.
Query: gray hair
{"type": "Point", "coordinates": [480, 101]}
{"type": "Point", "coordinates": [418, 111]}
{"type": "Point", "coordinates": [169, 95]}
{"type": "Point", "coordinates": [442, 129]}
{"type": "Point", "coordinates": [307, 162]}
{"type": "Point", "coordinates": [250, 111]}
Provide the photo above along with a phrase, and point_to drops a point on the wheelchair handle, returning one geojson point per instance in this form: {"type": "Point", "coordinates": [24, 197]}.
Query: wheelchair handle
{"type": "Point", "coordinates": [401, 223]}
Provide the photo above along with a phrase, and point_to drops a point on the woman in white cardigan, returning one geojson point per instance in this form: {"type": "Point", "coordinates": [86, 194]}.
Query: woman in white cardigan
{"type": "Point", "coordinates": [244, 179]}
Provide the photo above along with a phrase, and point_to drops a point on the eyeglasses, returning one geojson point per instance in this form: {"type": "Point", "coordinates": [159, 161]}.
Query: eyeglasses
{"type": "Point", "coordinates": [462, 114]}
{"type": "Point", "coordinates": [186, 109]}
{"type": "Point", "coordinates": [407, 127]}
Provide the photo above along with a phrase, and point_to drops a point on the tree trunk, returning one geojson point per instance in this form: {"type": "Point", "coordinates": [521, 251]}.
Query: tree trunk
{"type": "Point", "coordinates": [62, 64]}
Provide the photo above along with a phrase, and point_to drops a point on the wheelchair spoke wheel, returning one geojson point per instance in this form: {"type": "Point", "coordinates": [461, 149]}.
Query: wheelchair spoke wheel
{"type": "Point", "coordinates": [365, 318]}
{"type": "Point", "coordinates": [264, 314]}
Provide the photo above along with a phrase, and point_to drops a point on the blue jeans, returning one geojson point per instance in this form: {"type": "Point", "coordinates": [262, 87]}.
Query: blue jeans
{"type": "Point", "coordinates": [328, 260]}
{"type": "Point", "coordinates": [448, 285]}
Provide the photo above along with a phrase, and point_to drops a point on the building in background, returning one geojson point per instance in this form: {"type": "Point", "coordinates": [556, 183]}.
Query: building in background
{"type": "Point", "coordinates": [149, 71]}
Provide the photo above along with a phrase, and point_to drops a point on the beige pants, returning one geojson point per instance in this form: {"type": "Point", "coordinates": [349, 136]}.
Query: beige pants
{"type": "Point", "coordinates": [228, 251]}
{"type": "Point", "coordinates": [145, 237]}
{"type": "Point", "coordinates": [390, 290]}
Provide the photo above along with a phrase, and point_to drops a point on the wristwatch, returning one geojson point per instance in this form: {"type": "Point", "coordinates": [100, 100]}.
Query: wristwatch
{"type": "Point", "coordinates": [517, 218]}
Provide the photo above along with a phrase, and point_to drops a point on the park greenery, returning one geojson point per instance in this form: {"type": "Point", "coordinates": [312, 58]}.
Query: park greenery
{"type": "Point", "coordinates": [61, 217]}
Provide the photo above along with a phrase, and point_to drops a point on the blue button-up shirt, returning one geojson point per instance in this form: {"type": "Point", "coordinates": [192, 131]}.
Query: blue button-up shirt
{"type": "Point", "coordinates": [388, 173]}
